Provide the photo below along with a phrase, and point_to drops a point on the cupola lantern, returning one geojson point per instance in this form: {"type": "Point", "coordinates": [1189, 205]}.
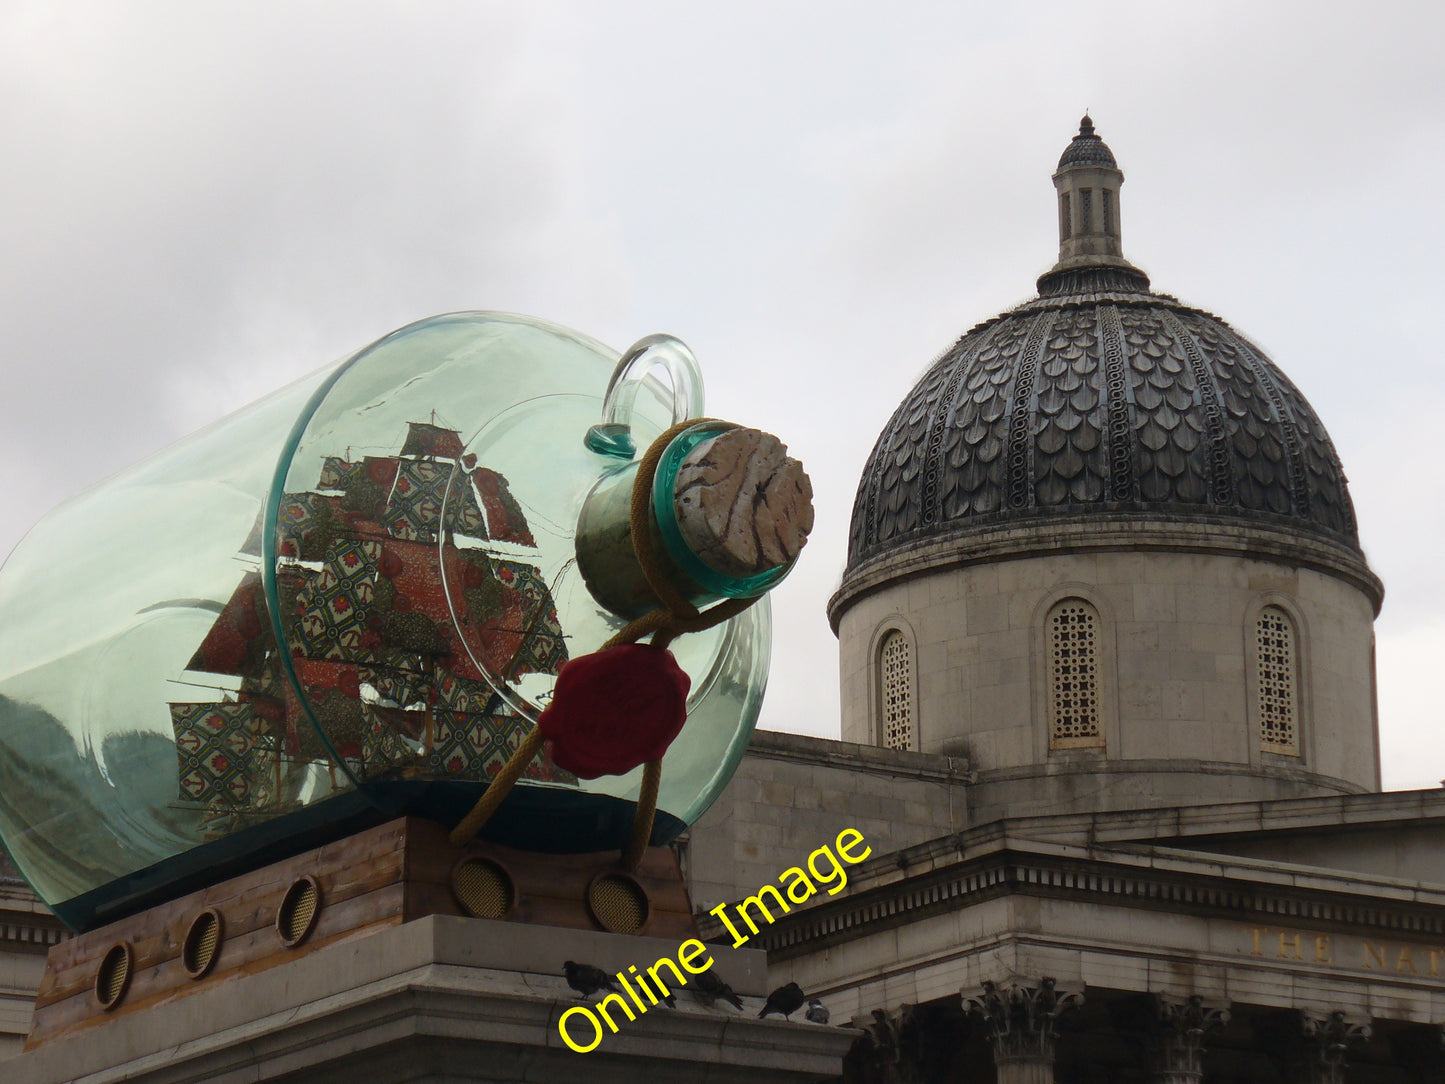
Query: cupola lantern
{"type": "Point", "coordinates": [1088, 181]}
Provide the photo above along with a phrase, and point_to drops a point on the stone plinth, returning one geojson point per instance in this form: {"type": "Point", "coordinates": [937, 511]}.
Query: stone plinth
{"type": "Point", "coordinates": [441, 998]}
{"type": "Point", "coordinates": [384, 876]}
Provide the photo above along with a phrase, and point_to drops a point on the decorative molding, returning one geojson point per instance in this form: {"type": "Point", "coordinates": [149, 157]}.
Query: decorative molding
{"type": "Point", "coordinates": [1119, 406]}
{"type": "Point", "coordinates": [1204, 531]}
{"type": "Point", "coordinates": [24, 933]}
{"type": "Point", "coordinates": [1007, 872]}
{"type": "Point", "coordinates": [24, 920]}
{"type": "Point", "coordinates": [852, 757]}
{"type": "Point", "coordinates": [1020, 444]}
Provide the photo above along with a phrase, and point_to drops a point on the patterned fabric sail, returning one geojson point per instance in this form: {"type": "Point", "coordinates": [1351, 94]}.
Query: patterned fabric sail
{"type": "Point", "coordinates": [229, 762]}
{"type": "Point", "coordinates": [476, 732]}
{"type": "Point", "coordinates": [422, 493]}
{"type": "Point", "coordinates": [335, 604]}
{"type": "Point", "coordinates": [370, 603]}
{"type": "Point", "coordinates": [337, 473]}
{"type": "Point", "coordinates": [432, 441]}
{"type": "Point", "coordinates": [241, 638]}
{"type": "Point", "coordinates": [504, 514]}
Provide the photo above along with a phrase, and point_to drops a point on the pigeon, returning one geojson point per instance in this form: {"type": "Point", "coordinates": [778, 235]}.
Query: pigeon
{"type": "Point", "coordinates": [785, 999]}
{"type": "Point", "coordinates": [708, 988]}
{"type": "Point", "coordinates": [587, 980]}
{"type": "Point", "coordinates": [817, 1012]}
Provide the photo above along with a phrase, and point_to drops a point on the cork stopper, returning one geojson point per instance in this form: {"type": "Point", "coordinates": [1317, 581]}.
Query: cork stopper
{"type": "Point", "coordinates": [743, 505]}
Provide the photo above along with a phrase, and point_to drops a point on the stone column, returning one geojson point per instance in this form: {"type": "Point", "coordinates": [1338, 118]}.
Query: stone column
{"type": "Point", "coordinates": [1020, 1022]}
{"type": "Point", "coordinates": [1329, 1037]}
{"type": "Point", "coordinates": [917, 1044]}
{"type": "Point", "coordinates": [1179, 1049]}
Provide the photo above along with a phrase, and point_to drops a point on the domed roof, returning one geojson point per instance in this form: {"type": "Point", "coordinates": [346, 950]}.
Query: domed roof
{"type": "Point", "coordinates": [1087, 149]}
{"type": "Point", "coordinates": [1100, 398]}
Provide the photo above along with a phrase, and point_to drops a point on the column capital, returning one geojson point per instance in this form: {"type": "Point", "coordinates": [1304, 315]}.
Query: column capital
{"type": "Point", "coordinates": [909, 1045]}
{"type": "Point", "coordinates": [1020, 1017]}
{"type": "Point", "coordinates": [1330, 1037]}
{"type": "Point", "coordinates": [1182, 1024]}
{"type": "Point", "coordinates": [887, 1046]}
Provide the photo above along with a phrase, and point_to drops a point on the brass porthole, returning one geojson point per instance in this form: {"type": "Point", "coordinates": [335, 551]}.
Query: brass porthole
{"type": "Point", "coordinates": [484, 888]}
{"type": "Point", "coordinates": [202, 943]}
{"type": "Point", "coordinates": [113, 977]}
{"type": "Point", "coordinates": [296, 917]}
{"type": "Point", "coordinates": [618, 903]}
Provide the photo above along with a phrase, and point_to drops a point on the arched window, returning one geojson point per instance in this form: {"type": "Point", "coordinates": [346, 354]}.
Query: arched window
{"type": "Point", "coordinates": [1073, 651]}
{"type": "Point", "coordinates": [895, 687]}
{"type": "Point", "coordinates": [1276, 656]}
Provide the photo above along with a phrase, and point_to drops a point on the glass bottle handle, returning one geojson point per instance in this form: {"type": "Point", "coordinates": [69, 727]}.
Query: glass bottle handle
{"type": "Point", "coordinates": [613, 435]}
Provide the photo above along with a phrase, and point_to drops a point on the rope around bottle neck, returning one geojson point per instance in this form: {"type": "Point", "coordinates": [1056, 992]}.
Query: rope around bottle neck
{"type": "Point", "coordinates": [664, 623]}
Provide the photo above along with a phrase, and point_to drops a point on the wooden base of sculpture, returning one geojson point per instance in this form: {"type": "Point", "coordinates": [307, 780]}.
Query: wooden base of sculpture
{"type": "Point", "coordinates": [382, 877]}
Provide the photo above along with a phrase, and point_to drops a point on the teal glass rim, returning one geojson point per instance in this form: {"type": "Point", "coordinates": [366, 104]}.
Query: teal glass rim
{"type": "Point", "coordinates": [664, 482]}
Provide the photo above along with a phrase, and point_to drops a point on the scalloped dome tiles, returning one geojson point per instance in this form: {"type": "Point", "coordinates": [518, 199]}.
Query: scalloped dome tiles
{"type": "Point", "coordinates": [1087, 149]}
{"type": "Point", "coordinates": [1099, 396]}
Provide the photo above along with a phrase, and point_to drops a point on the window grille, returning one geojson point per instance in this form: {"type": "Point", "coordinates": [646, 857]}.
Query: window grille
{"type": "Point", "coordinates": [1086, 210]}
{"type": "Point", "coordinates": [1073, 631]}
{"type": "Point", "coordinates": [1274, 640]}
{"type": "Point", "coordinates": [1066, 225]}
{"type": "Point", "coordinates": [895, 664]}
{"type": "Point", "coordinates": [1108, 195]}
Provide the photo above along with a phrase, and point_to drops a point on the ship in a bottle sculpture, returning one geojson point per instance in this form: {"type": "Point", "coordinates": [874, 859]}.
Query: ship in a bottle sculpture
{"type": "Point", "coordinates": [359, 599]}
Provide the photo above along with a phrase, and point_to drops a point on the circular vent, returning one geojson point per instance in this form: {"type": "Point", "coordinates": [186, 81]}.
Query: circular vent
{"type": "Point", "coordinates": [296, 916]}
{"type": "Point", "coordinates": [203, 941]}
{"type": "Point", "coordinates": [483, 888]}
{"type": "Point", "coordinates": [113, 978]}
{"type": "Point", "coordinates": [618, 903]}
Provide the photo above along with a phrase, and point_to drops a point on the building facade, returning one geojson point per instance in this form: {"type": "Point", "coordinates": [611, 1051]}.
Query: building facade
{"type": "Point", "coordinates": [1107, 660]}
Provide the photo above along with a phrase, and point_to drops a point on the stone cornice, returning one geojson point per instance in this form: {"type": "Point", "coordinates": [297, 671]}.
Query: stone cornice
{"type": "Point", "coordinates": [1142, 877]}
{"type": "Point", "coordinates": [829, 752]}
{"type": "Point", "coordinates": [1342, 812]}
{"type": "Point", "coordinates": [24, 920]}
{"type": "Point", "coordinates": [30, 934]}
{"type": "Point", "coordinates": [1021, 537]}
{"type": "Point", "coordinates": [1095, 766]}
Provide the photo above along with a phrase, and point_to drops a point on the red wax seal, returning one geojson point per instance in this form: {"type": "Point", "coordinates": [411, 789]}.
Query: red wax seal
{"type": "Point", "coordinates": [615, 709]}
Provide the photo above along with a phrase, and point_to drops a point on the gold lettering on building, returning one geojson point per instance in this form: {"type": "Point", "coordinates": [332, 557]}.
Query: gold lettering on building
{"type": "Point", "coordinates": [1288, 941]}
{"type": "Point", "coordinates": [1343, 951]}
{"type": "Point", "coordinates": [1257, 930]}
{"type": "Point", "coordinates": [1374, 955]}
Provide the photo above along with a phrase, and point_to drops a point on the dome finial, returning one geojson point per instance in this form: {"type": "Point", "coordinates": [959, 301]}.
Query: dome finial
{"type": "Point", "coordinates": [1088, 181]}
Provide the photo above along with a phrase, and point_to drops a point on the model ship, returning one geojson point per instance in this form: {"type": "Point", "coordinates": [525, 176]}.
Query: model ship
{"type": "Point", "coordinates": [408, 620]}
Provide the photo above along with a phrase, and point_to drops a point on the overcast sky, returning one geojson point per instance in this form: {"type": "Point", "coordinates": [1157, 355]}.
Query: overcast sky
{"type": "Point", "coordinates": [203, 201]}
